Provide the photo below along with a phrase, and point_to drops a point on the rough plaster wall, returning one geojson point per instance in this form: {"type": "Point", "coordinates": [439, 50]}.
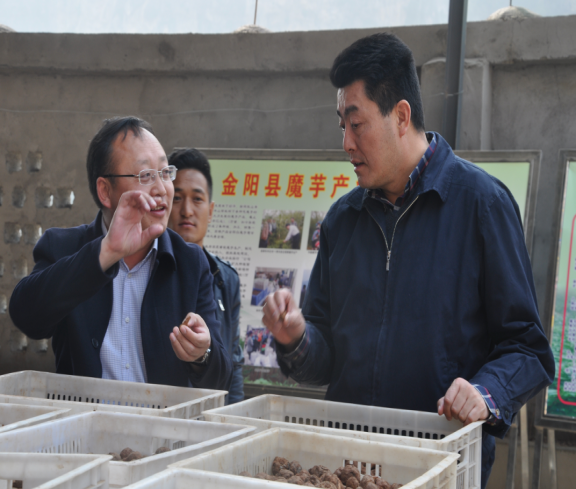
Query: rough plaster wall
{"type": "Point", "coordinates": [534, 108]}
{"type": "Point", "coordinates": [34, 199]}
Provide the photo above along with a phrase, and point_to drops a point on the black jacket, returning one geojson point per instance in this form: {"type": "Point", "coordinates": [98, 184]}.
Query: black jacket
{"type": "Point", "coordinates": [227, 296]}
{"type": "Point", "coordinates": [69, 298]}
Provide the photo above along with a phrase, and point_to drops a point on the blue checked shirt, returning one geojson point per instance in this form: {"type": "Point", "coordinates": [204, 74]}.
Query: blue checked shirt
{"type": "Point", "coordinates": [295, 359]}
{"type": "Point", "coordinates": [122, 355]}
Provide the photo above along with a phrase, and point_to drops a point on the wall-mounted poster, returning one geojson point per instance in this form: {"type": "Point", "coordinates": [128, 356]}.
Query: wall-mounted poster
{"type": "Point", "coordinates": [269, 209]}
{"type": "Point", "coordinates": [561, 395]}
{"type": "Point", "coordinates": [266, 222]}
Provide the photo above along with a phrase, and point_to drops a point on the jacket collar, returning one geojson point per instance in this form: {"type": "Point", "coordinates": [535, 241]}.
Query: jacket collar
{"type": "Point", "coordinates": [165, 248]}
{"type": "Point", "coordinates": [214, 268]}
{"type": "Point", "coordinates": [437, 177]}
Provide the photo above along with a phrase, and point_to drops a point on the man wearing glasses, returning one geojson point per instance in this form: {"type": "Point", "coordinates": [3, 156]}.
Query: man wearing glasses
{"type": "Point", "coordinates": [109, 294]}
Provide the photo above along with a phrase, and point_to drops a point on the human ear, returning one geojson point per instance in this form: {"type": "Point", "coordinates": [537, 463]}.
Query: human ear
{"type": "Point", "coordinates": [103, 188]}
{"type": "Point", "coordinates": [403, 116]}
{"type": "Point", "coordinates": [210, 211]}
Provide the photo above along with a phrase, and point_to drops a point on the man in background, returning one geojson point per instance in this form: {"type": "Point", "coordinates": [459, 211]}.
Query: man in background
{"type": "Point", "coordinates": [191, 213]}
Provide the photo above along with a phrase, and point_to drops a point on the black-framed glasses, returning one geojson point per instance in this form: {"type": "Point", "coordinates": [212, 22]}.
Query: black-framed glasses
{"type": "Point", "coordinates": [148, 177]}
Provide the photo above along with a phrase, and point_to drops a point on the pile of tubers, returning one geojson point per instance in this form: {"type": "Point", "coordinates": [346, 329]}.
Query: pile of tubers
{"type": "Point", "coordinates": [128, 455]}
{"type": "Point", "coordinates": [319, 476]}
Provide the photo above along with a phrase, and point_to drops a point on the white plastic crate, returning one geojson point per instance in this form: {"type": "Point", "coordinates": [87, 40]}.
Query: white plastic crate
{"type": "Point", "coordinates": [102, 433]}
{"type": "Point", "coordinates": [53, 471]}
{"type": "Point", "coordinates": [416, 468]}
{"type": "Point", "coordinates": [407, 428]}
{"type": "Point", "coordinates": [14, 416]}
{"type": "Point", "coordinates": [82, 394]}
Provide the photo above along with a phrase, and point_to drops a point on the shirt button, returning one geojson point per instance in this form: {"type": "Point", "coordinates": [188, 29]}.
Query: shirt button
{"type": "Point", "coordinates": [127, 365]}
{"type": "Point", "coordinates": [127, 320]}
{"type": "Point", "coordinates": [129, 275]}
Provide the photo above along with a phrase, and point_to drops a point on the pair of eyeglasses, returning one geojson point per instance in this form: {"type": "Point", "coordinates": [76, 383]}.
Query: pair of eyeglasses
{"type": "Point", "coordinates": [148, 177]}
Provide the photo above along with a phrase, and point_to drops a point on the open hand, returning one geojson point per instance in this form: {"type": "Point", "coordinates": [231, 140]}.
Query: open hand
{"type": "Point", "coordinates": [283, 318]}
{"type": "Point", "coordinates": [125, 234]}
{"type": "Point", "coordinates": [191, 340]}
{"type": "Point", "coordinates": [462, 401]}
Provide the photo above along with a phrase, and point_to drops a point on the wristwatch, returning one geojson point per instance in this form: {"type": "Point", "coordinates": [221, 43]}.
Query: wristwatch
{"type": "Point", "coordinates": [203, 360]}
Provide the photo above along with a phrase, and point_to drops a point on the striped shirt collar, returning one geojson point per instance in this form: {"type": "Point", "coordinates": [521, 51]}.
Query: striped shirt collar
{"type": "Point", "coordinates": [378, 194]}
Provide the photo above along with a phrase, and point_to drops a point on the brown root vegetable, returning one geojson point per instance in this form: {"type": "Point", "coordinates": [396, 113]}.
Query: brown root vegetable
{"type": "Point", "coordinates": [304, 475]}
{"type": "Point", "coordinates": [347, 472]}
{"type": "Point", "coordinates": [162, 450]}
{"type": "Point", "coordinates": [308, 484]}
{"type": "Point", "coordinates": [286, 474]}
{"type": "Point", "coordinates": [115, 457]}
{"type": "Point", "coordinates": [327, 476]}
{"type": "Point", "coordinates": [396, 486]}
{"type": "Point", "coordinates": [245, 474]}
{"type": "Point", "coordinates": [295, 467]}
{"type": "Point", "coordinates": [278, 464]}
{"type": "Point", "coordinates": [134, 456]}
{"type": "Point", "coordinates": [295, 480]}
{"type": "Point", "coordinates": [352, 482]}
{"type": "Point", "coordinates": [383, 484]}
{"type": "Point", "coordinates": [370, 485]}
{"type": "Point", "coordinates": [318, 470]}
{"type": "Point", "coordinates": [314, 480]}
{"type": "Point", "coordinates": [262, 475]}
{"type": "Point", "coordinates": [326, 485]}
{"type": "Point", "coordinates": [124, 453]}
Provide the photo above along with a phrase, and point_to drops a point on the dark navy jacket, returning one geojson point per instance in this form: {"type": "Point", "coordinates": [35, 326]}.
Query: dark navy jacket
{"type": "Point", "coordinates": [458, 300]}
{"type": "Point", "coordinates": [227, 296]}
{"type": "Point", "coordinates": [68, 298]}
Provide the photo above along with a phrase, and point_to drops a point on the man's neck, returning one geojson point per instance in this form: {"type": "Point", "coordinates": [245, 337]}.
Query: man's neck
{"type": "Point", "coordinates": [416, 146]}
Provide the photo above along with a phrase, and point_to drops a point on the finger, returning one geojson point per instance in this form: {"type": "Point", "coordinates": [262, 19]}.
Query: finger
{"type": "Point", "coordinates": [190, 349]}
{"type": "Point", "coordinates": [473, 416]}
{"type": "Point", "coordinates": [198, 340]}
{"type": "Point", "coordinates": [180, 353]}
{"type": "Point", "coordinates": [466, 409]}
{"type": "Point", "coordinates": [270, 309]}
{"type": "Point", "coordinates": [458, 405]}
{"type": "Point", "coordinates": [152, 232]}
{"type": "Point", "coordinates": [449, 397]}
{"type": "Point", "coordinates": [440, 405]}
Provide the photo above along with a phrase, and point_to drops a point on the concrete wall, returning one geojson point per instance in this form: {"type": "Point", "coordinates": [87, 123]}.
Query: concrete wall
{"type": "Point", "coordinates": [247, 91]}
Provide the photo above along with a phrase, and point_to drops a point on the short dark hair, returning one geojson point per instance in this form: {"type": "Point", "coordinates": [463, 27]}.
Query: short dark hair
{"type": "Point", "coordinates": [99, 160]}
{"type": "Point", "coordinates": [192, 159]}
{"type": "Point", "coordinates": [387, 67]}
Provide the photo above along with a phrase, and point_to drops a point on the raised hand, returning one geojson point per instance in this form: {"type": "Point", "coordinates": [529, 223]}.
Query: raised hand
{"type": "Point", "coordinates": [191, 340]}
{"type": "Point", "coordinates": [125, 234]}
{"type": "Point", "coordinates": [283, 318]}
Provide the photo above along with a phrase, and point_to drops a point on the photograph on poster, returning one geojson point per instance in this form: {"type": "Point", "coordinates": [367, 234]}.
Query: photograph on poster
{"type": "Point", "coordinates": [305, 280]}
{"type": "Point", "coordinates": [259, 348]}
{"type": "Point", "coordinates": [281, 229]}
{"type": "Point", "coordinates": [269, 280]}
{"type": "Point", "coordinates": [316, 218]}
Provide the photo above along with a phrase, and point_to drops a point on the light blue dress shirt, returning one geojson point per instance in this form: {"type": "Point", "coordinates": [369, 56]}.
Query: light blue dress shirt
{"type": "Point", "coordinates": [122, 355]}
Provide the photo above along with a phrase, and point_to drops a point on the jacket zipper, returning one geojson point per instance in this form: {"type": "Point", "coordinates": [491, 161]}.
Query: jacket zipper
{"type": "Point", "coordinates": [389, 248]}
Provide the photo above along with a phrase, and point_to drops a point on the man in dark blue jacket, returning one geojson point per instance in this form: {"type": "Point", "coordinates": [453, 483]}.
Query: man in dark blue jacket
{"type": "Point", "coordinates": [422, 294]}
{"type": "Point", "coordinates": [112, 293]}
{"type": "Point", "coordinates": [191, 213]}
